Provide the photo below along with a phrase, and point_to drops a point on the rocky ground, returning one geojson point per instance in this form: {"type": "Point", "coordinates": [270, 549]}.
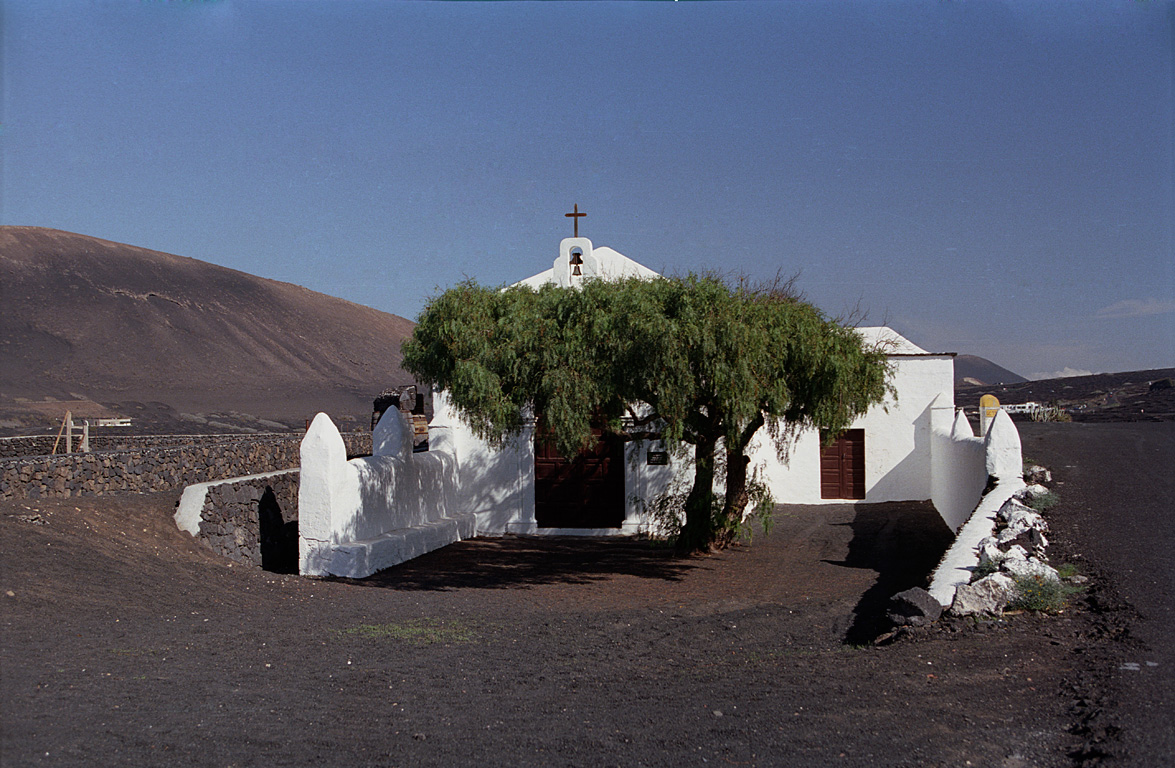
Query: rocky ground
{"type": "Point", "coordinates": [125, 643]}
{"type": "Point", "coordinates": [1103, 397]}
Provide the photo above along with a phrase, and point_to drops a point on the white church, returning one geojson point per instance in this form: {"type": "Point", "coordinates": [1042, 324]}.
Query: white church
{"type": "Point", "coordinates": [885, 455]}
{"type": "Point", "coordinates": [360, 516]}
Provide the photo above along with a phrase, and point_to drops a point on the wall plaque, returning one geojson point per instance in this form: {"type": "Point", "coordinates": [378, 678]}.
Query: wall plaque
{"type": "Point", "coordinates": [658, 458]}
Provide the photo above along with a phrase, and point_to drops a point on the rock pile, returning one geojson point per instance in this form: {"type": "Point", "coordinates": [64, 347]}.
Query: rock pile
{"type": "Point", "coordinates": [1015, 552]}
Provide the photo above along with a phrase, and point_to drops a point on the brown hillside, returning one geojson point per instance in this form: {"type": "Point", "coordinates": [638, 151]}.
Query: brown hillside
{"type": "Point", "coordinates": [84, 319]}
{"type": "Point", "coordinates": [971, 370]}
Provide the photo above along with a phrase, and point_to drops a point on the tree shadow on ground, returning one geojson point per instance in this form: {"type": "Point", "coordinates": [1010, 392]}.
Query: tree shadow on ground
{"type": "Point", "coordinates": [902, 542]}
{"type": "Point", "coordinates": [518, 562]}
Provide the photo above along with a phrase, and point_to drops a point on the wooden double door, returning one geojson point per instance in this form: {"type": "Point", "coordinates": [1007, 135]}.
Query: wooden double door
{"type": "Point", "coordinates": [842, 466]}
{"type": "Point", "coordinates": [585, 492]}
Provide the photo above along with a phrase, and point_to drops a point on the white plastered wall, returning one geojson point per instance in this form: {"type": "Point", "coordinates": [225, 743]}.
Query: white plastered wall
{"type": "Point", "coordinates": [898, 440]}
{"type": "Point", "coordinates": [497, 484]}
{"type": "Point", "coordinates": [356, 517]}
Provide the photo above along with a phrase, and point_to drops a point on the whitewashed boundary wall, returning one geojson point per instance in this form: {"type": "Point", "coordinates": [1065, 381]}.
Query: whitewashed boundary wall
{"type": "Point", "coordinates": [959, 472]}
{"type": "Point", "coordinates": [1004, 463]}
{"type": "Point", "coordinates": [360, 516]}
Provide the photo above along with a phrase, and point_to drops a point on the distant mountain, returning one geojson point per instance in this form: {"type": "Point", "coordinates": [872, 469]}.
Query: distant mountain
{"type": "Point", "coordinates": [973, 371]}
{"type": "Point", "coordinates": [83, 319]}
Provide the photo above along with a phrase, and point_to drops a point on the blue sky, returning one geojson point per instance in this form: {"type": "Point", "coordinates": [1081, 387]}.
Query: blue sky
{"type": "Point", "coordinates": [988, 178]}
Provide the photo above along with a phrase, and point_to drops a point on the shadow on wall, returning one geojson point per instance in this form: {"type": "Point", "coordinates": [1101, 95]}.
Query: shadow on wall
{"type": "Point", "coordinates": [910, 477]}
{"type": "Point", "coordinates": [279, 539]}
{"type": "Point", "coordinates": [902, 542]}
{"type": "Point", "coordinates": [492, 484]}
{"type": "Point", "coordinates": [524, 562]}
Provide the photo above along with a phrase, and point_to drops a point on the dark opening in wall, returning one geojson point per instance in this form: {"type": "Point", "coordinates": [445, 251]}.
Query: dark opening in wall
{"type": "Point", "coordinates": [279, 539]}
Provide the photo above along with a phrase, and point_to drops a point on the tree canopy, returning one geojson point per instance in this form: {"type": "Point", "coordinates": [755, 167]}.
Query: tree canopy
{"type": "Point", "coordinates": [693, 360]}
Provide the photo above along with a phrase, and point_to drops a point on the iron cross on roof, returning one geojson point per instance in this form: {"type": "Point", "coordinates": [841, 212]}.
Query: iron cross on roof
{"type": "Point", "coordinates": [575, 217]}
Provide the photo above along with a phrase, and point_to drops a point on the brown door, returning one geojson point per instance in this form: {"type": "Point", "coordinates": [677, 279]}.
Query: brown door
{"type": "Point", "coordinates": [842, 467]}
{"type": "Point", "coordinates": [586, 492]}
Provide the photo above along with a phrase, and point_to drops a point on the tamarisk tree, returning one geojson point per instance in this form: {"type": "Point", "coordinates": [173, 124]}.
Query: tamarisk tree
{"type": "Point", "coordinates": [691, 360]}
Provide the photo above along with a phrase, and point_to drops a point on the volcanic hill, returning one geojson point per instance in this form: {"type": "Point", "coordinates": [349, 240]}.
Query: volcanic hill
{"type": "Point", "coordinates": [108, 329]}
{"type": "Point", "coordinates": [971, 370]}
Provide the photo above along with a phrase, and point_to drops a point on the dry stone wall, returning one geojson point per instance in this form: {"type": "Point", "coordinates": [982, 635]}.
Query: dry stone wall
{"type": "Point", "coordinates": [254, 520]}
{"type": "Point", "coordinates": [151, 469]}
{"type": "Point", "coordinates": [42, 445]}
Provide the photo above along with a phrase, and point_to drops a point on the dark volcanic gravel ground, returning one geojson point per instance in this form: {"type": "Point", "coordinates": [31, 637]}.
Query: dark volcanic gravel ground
{"type": "Point", "coordinates": [125, 643]}
{"type": "Point", "coordinates": [1117, 488]}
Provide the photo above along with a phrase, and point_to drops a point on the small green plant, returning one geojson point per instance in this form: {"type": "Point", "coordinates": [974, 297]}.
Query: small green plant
{"type": "Point", "coordinates": [1051, 412]}
{"type": "Point", "coordinates": [983, 570]}
{"type": "Point", "coordinates": [418, 631]}
{"type": "Point", "coordinates": [1040, 593]}
{"type": "Point", "coordinates": [1042, 502]}
{"type": "Point", "coordinates": [1066, 570]}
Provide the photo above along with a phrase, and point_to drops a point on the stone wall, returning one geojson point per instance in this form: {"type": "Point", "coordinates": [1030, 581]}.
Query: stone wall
{"type": "Point", "coordinates": [42, 445]}
{"type": "Point", "coordinates": [251, 520]}
{"type": "Point", "coordinates": [155, 469]}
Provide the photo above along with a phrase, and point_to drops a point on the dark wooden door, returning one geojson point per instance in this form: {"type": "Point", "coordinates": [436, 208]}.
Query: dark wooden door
{"type": "Point", "coordinates": [842, 467]}
{"type": "Point", "coordinates": [586, 492]}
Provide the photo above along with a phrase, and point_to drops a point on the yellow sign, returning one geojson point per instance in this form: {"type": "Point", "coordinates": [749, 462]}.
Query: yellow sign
{"type": "Point", "coordinates": [989, 406]}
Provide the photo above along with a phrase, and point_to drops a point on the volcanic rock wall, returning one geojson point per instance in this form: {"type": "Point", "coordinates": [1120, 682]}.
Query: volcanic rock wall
{"type": "Point", "coordinates": [252, 520]}
{"type": "Point", "coordinates": [145, 470]}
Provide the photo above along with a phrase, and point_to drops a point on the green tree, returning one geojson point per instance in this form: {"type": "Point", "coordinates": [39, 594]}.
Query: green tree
{"type": "Point", "coordinates": [691, 360]}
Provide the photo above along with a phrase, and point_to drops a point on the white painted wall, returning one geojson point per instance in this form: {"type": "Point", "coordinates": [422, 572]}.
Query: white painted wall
{"type": "Point", "coordinates": [901, 435]}
{"type": "Point", "coordinates": [898, 440]}
{"type": "Point", "coordinates": [497, 485]}
{"type": "Point", "coordinates": [959, 473]}
{"type": "Point", "coordinates": [1001, 452]}
{"type": "Point", "coordinates": [356, 517]}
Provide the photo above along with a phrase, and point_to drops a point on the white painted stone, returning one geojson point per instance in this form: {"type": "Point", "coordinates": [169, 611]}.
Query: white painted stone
{"type": "Point", "coordinates": [1033, 491]}
{"type": "Point", "coordinates": [962, 426]}
{"type": "Point", "coordinates": [327, 486]}
{"type": "Point", "coordinates": [1029, 567]}
{"type": "Point", "coordinates": [1021, 521]}
{"type": "Point", "coordinates": [1037, 474]}
{"type": "Point", "coordinates": [990, 552]}
{"type": "Point", "coordinates": [958, 472]}
{"type": "Point", "coordinates": [988, 596]}
{"type": "Point", "coordinates": [392, 436]}
{"type": "Point", "coordinates": [191, 507]}
{"type": "Point", "coordinates": [1010, 507]}
{"type": "Point", "coordinates": [1015, 552]}
{"type": "Point", "coordinates": [1002, 447]}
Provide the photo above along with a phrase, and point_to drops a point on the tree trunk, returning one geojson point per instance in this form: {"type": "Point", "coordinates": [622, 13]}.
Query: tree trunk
{"type": "Point", "coordinates": [697, 535]}
{"type": "Point", "coordinates": [734, 505]}
{"type": "Point", "coordinates": [737, 497]}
